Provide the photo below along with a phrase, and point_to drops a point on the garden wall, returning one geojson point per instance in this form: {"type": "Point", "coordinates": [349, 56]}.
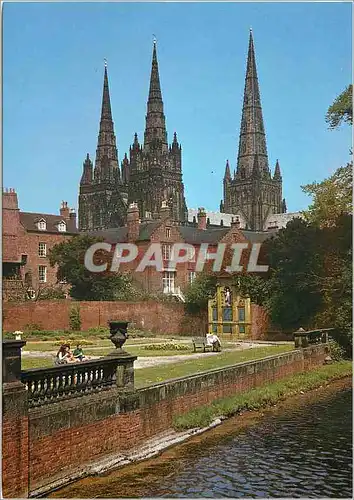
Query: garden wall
{"type": "Point", "coordinates": [99, 424]}
{"type": "Point", "coordinates": [157, 317]}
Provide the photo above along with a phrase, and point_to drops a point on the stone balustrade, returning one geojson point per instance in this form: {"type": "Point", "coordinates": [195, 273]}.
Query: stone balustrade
{"type": "Point", "coordinates": [49, 385]}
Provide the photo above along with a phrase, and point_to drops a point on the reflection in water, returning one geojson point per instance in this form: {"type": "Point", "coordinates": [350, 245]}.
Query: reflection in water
{"type": "Point", "coordinates": [302, 452]}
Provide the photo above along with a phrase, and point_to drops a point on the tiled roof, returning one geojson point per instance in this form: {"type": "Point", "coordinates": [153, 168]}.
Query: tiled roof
{"type": "Point", "coordinates": [29, 221]}
{"type": "Point", "coordinates": [256, 236]}
{"type": "Point", "coordinates": [120, 234]}
{"type": "Point", "coordinates": [192, 234]}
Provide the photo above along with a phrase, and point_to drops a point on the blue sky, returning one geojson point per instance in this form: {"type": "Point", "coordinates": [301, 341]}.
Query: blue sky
{"type": "Point", "coordinates": [53, 66]}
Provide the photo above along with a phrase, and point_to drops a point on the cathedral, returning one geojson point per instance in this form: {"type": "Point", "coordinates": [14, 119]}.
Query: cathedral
{"type": "Point", "coordinates": [252, 192]}
{"type": "Point", "coordinates": [151, 176]}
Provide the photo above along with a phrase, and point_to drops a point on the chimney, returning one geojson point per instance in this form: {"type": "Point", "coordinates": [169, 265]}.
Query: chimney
{"type": "Point", "coordinates": [72, 216]}
{"type": "Point", "coordinates": [65, 210]}
{"type": "Point", "coordinates": [202, 218]}
{"type": "Point", "coordinates": [165, 210]}
{"type": "Point", "coordinates": [235, 222]}
{"type": "Point", "coordinates": [133, 222]}
{"type": "Point", "coordinates": [9, 199]}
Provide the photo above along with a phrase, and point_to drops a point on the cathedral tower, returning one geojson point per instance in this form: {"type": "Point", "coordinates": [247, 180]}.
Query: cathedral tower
{"type": "Point", "coordinates": [103, 190]}
{"type": "Point", "coordinates": [155, 168]}
{"type": "Point", "coordinates": [252, 193]}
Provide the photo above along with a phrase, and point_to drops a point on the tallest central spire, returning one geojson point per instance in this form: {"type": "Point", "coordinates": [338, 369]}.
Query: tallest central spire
{"type": "Point", "coordinates": [155, 136]}
{"type": "Point", "coordinates": [252, 135]}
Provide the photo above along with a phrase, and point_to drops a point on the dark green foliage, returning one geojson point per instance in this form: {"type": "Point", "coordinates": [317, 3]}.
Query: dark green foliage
{"type": "Point", "coordinates": [256, 287]}
{"type": "Point", "coordinates": [74, 318]}
{"type": "Point", "coordinates": [294, 255]}
{"type": "Point", "coordinates": [198, 293]}
{"type": "Point", "coordinates": [342, 109]}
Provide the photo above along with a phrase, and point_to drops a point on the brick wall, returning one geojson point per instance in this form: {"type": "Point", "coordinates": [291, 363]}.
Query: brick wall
{"type": "Point", "coordinates": [96, 426]}
{"type": "Point", "coordinates": [158, 317]}
{"type": "Point", "coordinates": [15, 443]}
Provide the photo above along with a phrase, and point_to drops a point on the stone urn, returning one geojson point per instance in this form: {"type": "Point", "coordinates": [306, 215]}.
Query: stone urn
{"type": "Point", "coordinates": [118, 334]}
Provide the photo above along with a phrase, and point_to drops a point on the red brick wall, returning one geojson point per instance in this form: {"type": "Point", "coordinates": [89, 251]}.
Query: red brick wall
{"type": "Point", "coordinates": [48, 457]}
{"type": "Point", "coordinates": [29, 245]}
{"type": "Point", "coordinates": [158, 317]}
{"type": "Point", "coordinates": [15, 457]}
{"type": "Point", "coordinates": [11, 228]}
{"type": "Point", "coordinates": [127, 430]}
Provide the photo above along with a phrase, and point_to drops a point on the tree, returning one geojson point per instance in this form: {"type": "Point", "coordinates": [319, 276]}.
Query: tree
{"type": "Point", "coordinates": [256, 287]}
{"type": "Point", "coordinates": [198, 293]}
{"type": "Point", "coordinates": [342, 109]}
{"type": "Point", "coordinates": [293, 296]}
{"type": "Point", "coordinates": [85, 285]}
{"type": "Point", "coordinates": [331, 197]}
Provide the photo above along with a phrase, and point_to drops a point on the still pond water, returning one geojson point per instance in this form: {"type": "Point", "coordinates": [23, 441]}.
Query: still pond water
{"type": "Point", "coordinates": [303, 452]}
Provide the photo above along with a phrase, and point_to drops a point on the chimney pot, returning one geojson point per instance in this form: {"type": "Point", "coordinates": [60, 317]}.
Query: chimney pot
{"type": "Point", "coordinates": [202, 218]}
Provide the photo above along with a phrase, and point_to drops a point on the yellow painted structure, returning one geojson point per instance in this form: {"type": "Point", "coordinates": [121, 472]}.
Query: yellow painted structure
{"type": "Point", "coordinates": [229, 315]}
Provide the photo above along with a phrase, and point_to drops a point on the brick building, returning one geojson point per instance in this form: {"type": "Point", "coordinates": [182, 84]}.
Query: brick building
{"type": "Point", "coordinates": [27, 239]}
{"type": "Point", "coordinates": [167, 232]}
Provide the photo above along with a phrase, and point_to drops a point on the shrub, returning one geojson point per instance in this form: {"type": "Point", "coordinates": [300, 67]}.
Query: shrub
{"type": "Point", "coordinates": [29, 327]}
{"type": "Point", "coordinates": [98, 330]}
{"type": "Point", "coordinates": [337, 351]}
{"type": "Point", "coordinates": [167, 347]}
{"type": "Point", "coordinates": [74, 318]}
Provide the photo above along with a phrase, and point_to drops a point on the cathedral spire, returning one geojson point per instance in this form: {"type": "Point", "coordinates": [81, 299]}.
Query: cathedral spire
{"type": "Point", "coordinates": [252, 135]}
{"type": "Point", "coordinates": [227, 176]}
{"type": "Point", "coordinates": [277, 174]}
{"type": "Point", "coordinates": [106, 166]}
{"type": "Point", "coordinates": [155, 136]}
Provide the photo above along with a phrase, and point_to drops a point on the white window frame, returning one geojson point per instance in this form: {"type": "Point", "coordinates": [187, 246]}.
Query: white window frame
{"type": "Point", "coordinates": [191, 254]}
{"type": "Point", "coordinates": [168, 281]}
{"type": "Point", "coordinates": [62, 227]}
{"type": "Point", "coordinates": [168, 232]}
{"type": "Point", "coordinates": [42, 225]}
{"type": "Point", "coordinates": [43, 278]}
{"type": "Point", "coordinates": [42, 249]}
{"type": "Point", "coordinates": [191, 276]}
{"type": "Point", "coordinates": [167, 251]}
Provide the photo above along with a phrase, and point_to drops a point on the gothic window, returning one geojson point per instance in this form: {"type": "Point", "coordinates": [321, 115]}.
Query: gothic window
{"type": "Point", "coordinates": [168, 232]}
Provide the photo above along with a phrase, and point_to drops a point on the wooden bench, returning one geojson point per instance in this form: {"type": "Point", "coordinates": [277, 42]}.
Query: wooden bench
{"type": "Point", "coordinates": [201, 343]}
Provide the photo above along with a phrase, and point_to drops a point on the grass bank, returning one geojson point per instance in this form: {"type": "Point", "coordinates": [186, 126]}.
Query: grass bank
{"type": "Point", "coordinates": [155, 374]}
{"type": "Point", "coordinates": [262, 396]}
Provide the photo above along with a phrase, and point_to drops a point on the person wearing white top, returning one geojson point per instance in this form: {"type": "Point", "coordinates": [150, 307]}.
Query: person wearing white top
{"type": "Point", "coordinates": [214, 341]}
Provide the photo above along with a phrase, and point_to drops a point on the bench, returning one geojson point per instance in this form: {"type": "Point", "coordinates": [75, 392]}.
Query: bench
{"type": "Point", "coordinates": [201, 343]}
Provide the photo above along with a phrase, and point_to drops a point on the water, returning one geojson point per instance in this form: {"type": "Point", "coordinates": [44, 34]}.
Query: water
{"type": "Point", "coordinates": [300, 452]}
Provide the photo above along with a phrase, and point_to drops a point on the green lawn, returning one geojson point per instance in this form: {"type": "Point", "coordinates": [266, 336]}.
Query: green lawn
{"type": "Point", "coordinates": [153, 375]}
{"type": "Point", "coordinates": [147, 376]}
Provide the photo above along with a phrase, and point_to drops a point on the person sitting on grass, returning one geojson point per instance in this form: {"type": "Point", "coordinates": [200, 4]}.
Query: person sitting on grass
{"type": "Point", "coordinates": [79, 353]}
{"type": "Point", "coordinates": [214, 341]}
{"type": "Point", "coordinates": [62, 356]}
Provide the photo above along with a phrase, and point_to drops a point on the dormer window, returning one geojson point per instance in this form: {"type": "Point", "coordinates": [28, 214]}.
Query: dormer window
{"type": "Point", "coordinates": [62, 227]}
{"type": "Point", "coordinates": [42, 225]}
